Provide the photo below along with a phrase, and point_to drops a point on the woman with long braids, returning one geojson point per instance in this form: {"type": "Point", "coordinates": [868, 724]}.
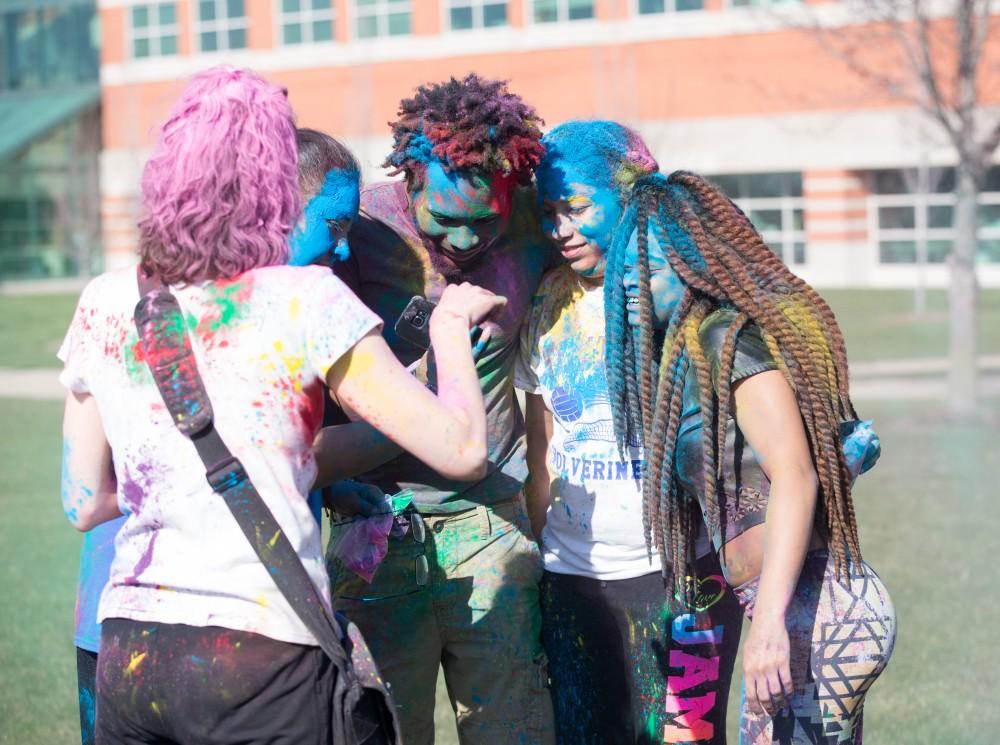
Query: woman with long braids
{"type": "Point", "coordinates": [734, 372]}
{"type": "Point", "coordinates": [628, 664]}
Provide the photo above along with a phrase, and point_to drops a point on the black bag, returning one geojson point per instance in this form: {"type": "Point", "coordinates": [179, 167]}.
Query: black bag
{"type": "Point", "coordinates": [362, 709]}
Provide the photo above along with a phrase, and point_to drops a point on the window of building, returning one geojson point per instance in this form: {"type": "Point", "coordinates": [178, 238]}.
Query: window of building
{"type": "Point", "coordinates": [469, 14]}
{"type": "Point", "coordinates": [915, 224]}
{"type": "Point", "coordinates": [553, 11]}
{"type": "Point", "coordinates": [382, 18]}
{"type": "Point", "coordinates": [306, 21]}
{"type": "Point", "coordinates": [774, 204]}
{"type": "Point", "coordinates": [48, 47]}
{"type": "Point", "coordinates": [222, 25]}
{"type": "Point", "coordinates": [760, 3]}
{"type": "Point", "coordinates": [50, 204]}
{"type": "Point", "coordinates": [153, 30]}
{"type": "Point", "coordinates": [651, 7]}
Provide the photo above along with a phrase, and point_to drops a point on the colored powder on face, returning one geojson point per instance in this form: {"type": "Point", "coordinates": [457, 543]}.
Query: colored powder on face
{"type": "Point", "coordinates": [666, 288]}
{"type": "Point", "coordinates": [462, 213]}
{"type": "Point", "coordinates": [337, 201]}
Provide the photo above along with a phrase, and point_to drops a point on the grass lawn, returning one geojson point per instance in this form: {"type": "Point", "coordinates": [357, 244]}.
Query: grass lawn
{"type": "Point", "coordinates": [881, 324]}
{"type": "Point", "coordinates": [32, 328]}
{"type": "Point", "coordinates": [878, 324]}
{"type": "Point", "coordinates": [929, 524]}
{"type": "Point", "coordinates": [38, 564]}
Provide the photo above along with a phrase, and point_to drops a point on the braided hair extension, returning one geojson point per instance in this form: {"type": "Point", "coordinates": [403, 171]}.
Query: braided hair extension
{"type": "Point", "coordinates": [723, 261]}
{"type": "Point", "coordinates": [774, 273]}
{"type": "Point", "coordinates": [725, 385]}
{"type": "Point", "coordinates": [707, 402]}
{"type": "Point", "coordinates": [619, 359]}
{"type": "Point", "coordinates": [645, 336]}
{"type": "Point", "coordinates": [805, 358]}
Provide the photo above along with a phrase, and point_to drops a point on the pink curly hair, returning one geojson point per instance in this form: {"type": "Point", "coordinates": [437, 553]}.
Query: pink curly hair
{"type": "Point", "coordinates": [221, 189]}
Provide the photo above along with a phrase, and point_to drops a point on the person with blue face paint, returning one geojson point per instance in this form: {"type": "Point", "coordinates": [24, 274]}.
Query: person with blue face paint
{"type": "Point", "coordinates": [330, 180]}
{"type": "Point", "coordinates": [609, 625]}
{"type": "Point", "coordinates": [735, 372]}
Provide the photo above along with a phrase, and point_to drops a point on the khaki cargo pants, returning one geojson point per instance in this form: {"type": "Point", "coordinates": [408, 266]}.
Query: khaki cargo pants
{"type": "Point", "coordinates": [477, 615]}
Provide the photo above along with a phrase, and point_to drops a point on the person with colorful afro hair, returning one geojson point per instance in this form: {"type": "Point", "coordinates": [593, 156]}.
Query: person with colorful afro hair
{"type": "Point", "coordinates": [626, 659]}
{"type": "Point", "coordinates": [459, 589]}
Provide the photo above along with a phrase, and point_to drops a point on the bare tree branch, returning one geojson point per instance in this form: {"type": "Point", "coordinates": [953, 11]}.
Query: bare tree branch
{"type": "Point", "coordinates": [987, 147]}
{"type": "Point", "coordinates": [981, 30]}
{"type": "Point", "coordinates": [924, 68]}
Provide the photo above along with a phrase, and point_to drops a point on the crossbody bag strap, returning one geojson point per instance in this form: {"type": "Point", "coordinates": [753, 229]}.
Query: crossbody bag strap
{"type": "Point", "coordinates": [167, 350]}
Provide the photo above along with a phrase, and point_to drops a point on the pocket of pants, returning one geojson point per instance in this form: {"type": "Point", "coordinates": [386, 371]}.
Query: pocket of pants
{"type": "Point", "coordinates": [395, 577]}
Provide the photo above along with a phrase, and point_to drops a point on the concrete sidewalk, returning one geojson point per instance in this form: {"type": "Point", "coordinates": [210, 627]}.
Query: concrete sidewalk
{"type": "Point", "coordinates": [39, 384]}
{"type": "Point", "coordinates": [916, 366]}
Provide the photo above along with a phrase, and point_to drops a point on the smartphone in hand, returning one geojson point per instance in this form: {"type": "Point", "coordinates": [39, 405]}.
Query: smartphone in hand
{"type": "Point", "coordinates": [414, 323]}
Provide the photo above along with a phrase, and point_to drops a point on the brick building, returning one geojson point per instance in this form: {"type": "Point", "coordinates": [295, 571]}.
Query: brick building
{"type": "Point", "coordinates": [849, 185]}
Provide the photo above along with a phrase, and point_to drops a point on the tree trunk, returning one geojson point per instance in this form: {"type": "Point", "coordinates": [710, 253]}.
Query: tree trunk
{"type": "Point", "coordinates": [963, 291]}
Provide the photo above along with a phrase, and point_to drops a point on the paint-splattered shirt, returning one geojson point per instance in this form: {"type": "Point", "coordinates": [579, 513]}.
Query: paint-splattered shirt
{"type": "Point", "coordinates": [594, 522]}
{"type": "Point", "coordinates": [264, 343]}
{"type": "Point", "coordinates": [389, 264]}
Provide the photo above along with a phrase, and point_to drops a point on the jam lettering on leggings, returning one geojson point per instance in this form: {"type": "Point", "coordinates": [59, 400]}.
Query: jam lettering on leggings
{"type": "Point", "coordinates": [694, 660]}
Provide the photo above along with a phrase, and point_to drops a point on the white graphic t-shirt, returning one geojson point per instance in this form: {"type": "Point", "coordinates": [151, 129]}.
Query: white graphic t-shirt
{"type": "Point", "coordinates": [594, 522]}
{"type": "Point", "coordinates": [264, 342]}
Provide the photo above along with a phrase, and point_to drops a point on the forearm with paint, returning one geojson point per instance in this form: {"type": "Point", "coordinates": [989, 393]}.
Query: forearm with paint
{"type": "Point", "coordinates": [88, 490]}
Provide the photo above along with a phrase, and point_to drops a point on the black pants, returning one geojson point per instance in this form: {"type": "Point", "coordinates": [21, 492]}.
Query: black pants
{"type": "Point", "coordinates": [171, 683]}
{"type": "Point", "coordinates": [629, 665]}
{"type": "Point", "coordinates": [86, 687]}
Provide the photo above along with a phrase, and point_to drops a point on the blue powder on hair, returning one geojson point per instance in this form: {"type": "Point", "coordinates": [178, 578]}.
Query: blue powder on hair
{"type": "Point", "coordinates": [603, 152]}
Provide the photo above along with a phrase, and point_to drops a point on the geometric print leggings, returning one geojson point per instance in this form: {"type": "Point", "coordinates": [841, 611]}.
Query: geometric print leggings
{"type": "Point", "coordinates": [841, 635]}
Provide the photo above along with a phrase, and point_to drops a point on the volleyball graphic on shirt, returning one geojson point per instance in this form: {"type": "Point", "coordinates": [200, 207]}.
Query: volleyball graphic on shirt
{"type": "Point", "coordinates": [584, 414]}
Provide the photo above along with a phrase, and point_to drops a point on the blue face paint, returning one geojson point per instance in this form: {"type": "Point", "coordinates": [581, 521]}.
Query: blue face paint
{"type": "Point", "coordinates": [665, 286]}
{"type": "Point", "coordinates": [326, 219]}
{"type": "Point", "coordinates": [580, 197]}
{"type": "Point", "coordinates": [580, 212]}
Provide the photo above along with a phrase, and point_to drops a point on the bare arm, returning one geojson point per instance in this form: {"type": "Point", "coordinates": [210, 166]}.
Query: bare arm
{"type": "Point", "coordinates": [447, 431]}
{"type": "Point", "coordinates": [89, 490]}
{"type": "Point", "coordinates": [768, 415]}
{"type": "Point", "coordinates": [538, 421]}
{"type": "Point", "coordinates": [346, 450]}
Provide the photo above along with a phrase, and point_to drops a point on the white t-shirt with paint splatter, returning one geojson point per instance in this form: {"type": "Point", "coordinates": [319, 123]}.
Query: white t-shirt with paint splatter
{"type": "Point", "coordinates": [594, 522]}
{"type": "Point", "coordinates": [264, 343]}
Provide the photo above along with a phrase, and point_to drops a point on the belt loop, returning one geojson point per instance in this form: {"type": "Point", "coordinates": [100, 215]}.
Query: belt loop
{"type": "Point", "coordinates": [484, 522]}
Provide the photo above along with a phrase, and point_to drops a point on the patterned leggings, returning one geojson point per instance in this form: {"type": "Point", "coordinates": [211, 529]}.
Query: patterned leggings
{"type": "Point", "coordinates": [841, 636]}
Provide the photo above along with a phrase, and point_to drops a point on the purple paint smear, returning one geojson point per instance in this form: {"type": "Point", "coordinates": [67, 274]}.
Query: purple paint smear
{"type": "Point", "coordinates": [144, 560]}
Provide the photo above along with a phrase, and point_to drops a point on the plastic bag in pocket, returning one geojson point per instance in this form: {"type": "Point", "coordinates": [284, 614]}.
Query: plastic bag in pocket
{"type": "Point", "coordinates": [363, 543]}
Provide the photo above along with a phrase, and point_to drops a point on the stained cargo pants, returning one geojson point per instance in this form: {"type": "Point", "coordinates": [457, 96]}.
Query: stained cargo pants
{"type": "Point", "coordinates": [476, 614]}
